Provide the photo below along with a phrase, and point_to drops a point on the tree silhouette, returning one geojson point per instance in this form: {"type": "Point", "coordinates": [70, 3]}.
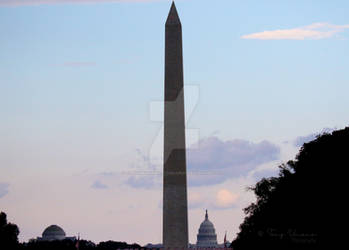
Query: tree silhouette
{"type": "Point", "coordinates": [8, 233]}
{"type": "Point", "coordinates": [302, 207]}
{"type": "Point", "coordinates": [112, 245]}
{"type": "Point", "coordinates": [71, 245]}
{"type": "Point", "coordinates": [52, 245]}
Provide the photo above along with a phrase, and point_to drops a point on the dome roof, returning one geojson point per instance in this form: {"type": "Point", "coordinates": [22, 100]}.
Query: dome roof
{"type": "Point", "coordinates": [206, 223]}
{"type": "Point", "coordinates": [207, 234]}
{"type": "Point", "coordinates": [53, 232]}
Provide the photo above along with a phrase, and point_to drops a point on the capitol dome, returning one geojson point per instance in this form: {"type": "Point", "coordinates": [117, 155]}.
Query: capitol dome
{"type": "Point", "coordinates": [207, 234]}
{"type": "Point", "coordinates": [53, 232]}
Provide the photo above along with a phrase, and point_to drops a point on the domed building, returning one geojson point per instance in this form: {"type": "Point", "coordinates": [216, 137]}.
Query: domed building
{"type": "Point", "coordinates": [206, 237]}
{"type": "Point", "coordinates": [54, 232]}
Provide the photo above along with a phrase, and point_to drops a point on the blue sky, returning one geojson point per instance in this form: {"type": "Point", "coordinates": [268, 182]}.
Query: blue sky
{"type": "Point", "coordinates": [77, 84]}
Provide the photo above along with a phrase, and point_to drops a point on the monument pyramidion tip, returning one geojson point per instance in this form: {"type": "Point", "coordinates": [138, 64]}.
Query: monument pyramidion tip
{"type": "Point", "coordinates": [173, 18]}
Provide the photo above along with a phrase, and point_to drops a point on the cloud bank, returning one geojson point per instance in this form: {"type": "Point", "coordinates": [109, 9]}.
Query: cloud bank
{"type": "Point", "coordinates": [313, 31]}
{"type": "Point", "coordinates": [210, 162]}
{"type": "Point", "coordinates": [15, 3]}
{"type": "Point", "coordinates": [213, 161]}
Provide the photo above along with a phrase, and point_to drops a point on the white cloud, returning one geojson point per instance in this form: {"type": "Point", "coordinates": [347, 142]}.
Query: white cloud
{"type": "Point", "coordinates": [313, 31]}
{"type": "Point", "coordinates": [40, 2]}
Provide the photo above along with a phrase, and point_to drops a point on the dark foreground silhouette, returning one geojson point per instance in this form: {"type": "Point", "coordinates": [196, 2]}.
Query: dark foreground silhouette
{"type": "Point", "coordinates": [8, 233]}
{"type": "Point", "coordinates": [304, 207]}
{"type": "Point", "coordinates": [83, 245]}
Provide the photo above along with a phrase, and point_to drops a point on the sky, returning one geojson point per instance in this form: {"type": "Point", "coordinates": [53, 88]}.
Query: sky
{"type": "Point", "coordinates": [81, 90]}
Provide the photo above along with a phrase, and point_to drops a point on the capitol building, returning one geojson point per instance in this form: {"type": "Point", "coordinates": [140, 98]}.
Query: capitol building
{"type": "Point", "coordinates": [207, 237]}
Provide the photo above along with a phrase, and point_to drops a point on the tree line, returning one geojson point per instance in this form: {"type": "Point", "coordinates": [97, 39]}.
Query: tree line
{"type": "Point", "coordinates": [9, 241]}
{"type": "Point", "coordinates": [304, 207]}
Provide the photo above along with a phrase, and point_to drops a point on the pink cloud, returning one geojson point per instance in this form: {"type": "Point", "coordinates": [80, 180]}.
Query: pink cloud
{"type": "Point", "coordinates": [313, 31]}
{"type": "Point", "coordinates": [15, 3]}
{"type": "Point", "coordinates": [225, 198]}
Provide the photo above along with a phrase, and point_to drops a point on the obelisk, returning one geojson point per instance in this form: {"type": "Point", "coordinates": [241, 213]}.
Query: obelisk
{"type": "Point", "coordinates": [175, 209]}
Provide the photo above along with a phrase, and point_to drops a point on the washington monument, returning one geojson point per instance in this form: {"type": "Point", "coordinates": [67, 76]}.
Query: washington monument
{"type": "Point", "coordinates": [175, 209]}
